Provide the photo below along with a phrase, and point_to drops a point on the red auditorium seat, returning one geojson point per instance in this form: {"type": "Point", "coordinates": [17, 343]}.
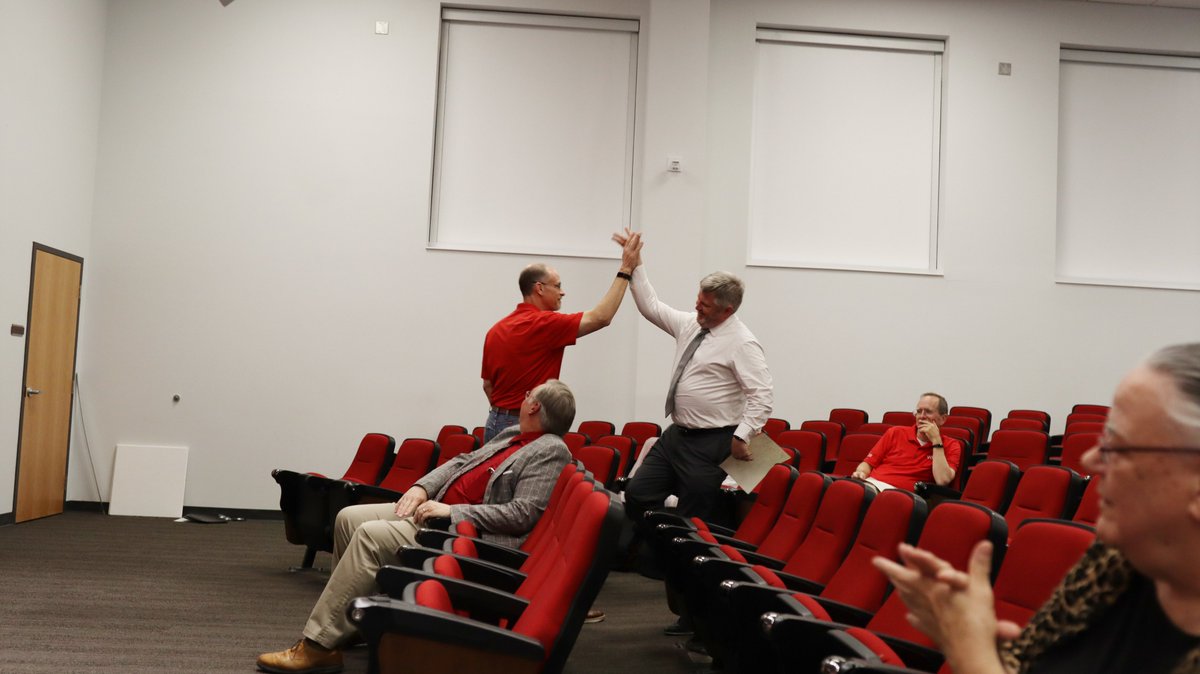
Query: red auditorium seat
{"type": "Point", "coordinates": [543, 616]}
{"type": "Point", "coordinates": [894, 516]}
{"type": "Point", "coordinates": [601, 461]}
{"type": "Point", "coordinates": [448, 430]}
{"type": "Point", "coordinates": [849, 417]}
{"type": "Point", "coordinates": [625, 446]}
{"type": "Point", "coordinates": [809, 445]}
{"type": "Point", "coordinates": [454, 444]}
{"type": "Point", "coordinates": [1073, 449]}
{"type": "Point", "coordinates": [1046, 492]}
{"type": "Point", "coordinates": [1036, 415]}
{"type": "Point", "coordinates": [1023, 448]}
{"type": "Point", "coordinates": [574, 441]}
{"type": "Point", "coordinates": [640, 431]}
{"type": "Point", "coordinates": [833, 432]}
{"type": "Point", "coordinates": [1016, 424]}
{"type": "Point", "coordinates": [1040, 555]}
{"type": "Point", "coordinates": [983, 414]}
{"type": "Point", "coordinates": [952, 530]}
{"type": "Point", "coordinates": [854, 449]}
{"type": "Point", "coordinates": [774, 427]}
{"type": "Point", "coordinates": [899, 418]}
{"type": "Point", "coordinates": [596, 429]}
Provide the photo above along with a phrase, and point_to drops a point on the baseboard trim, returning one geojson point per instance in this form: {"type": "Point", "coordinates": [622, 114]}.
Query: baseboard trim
{"type": "Point", "coordinates": [86, 506]}
{"type": "Point", "coordinates": [8, 518]}
{"type": "Point", "coordinates": [233, 513]}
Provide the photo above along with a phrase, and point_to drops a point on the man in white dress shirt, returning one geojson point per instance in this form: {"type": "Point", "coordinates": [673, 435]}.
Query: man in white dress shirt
{"type": "Point", "coordinates": [720, 395]}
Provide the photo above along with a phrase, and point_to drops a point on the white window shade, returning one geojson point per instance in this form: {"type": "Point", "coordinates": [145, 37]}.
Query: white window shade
{"type": "Point", "coordinates": [846, 150]}
{"type": "Point", "coordinates": [1129, 169]}
{"type": "Point", "coordinates": [534, 144]}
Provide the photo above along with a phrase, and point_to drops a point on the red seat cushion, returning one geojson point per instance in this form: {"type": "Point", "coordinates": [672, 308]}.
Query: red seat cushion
{"type": "Point", "coordinates": [877, 646]}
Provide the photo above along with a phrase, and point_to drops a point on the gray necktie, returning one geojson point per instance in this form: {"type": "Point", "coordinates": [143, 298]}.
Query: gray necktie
{"type": "Point", "coordinates": [683, 361]}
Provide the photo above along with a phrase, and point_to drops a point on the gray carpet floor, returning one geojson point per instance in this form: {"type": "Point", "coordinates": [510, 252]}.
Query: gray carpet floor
{"type": "Point", "coordinates": [86, 592]}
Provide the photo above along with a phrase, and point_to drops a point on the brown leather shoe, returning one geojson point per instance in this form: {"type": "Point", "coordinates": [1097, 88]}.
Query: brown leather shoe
{"type": "Point", "coordinates": [303, 658]}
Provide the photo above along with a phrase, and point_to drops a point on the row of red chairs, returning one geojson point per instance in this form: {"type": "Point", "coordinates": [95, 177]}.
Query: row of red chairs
{"type": "Point", "coordinates": [977, 420]}
{"type": "Point", "coordinates": [379, 472]}
{"type": "Point", "coordinates": [807, 568]}
{"type": "Point", "coordinates": [457, 603]}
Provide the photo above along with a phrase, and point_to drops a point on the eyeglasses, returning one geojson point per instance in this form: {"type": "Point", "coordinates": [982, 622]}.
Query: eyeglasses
{"type": "Point", "coordinates": [553, 285]}
{"type": "Point", "coordinates": [1106, 453]}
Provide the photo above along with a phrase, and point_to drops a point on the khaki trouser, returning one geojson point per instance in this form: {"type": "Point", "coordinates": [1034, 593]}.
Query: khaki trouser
{"type": "Point", "coordinates": [365, 538]}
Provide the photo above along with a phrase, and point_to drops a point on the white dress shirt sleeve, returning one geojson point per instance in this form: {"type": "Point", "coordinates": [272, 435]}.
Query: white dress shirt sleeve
{"type": "Point", "coordinates": [750, 370]}
{"type": "Point", "coordinates": [668, 319]}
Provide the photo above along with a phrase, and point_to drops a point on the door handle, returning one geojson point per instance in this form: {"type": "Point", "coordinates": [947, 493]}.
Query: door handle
{"type": "Point", "coordinates": [32, 392]}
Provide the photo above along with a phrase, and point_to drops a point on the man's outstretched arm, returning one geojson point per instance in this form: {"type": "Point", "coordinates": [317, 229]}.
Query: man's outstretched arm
{"type": "Point", "coordinates": [602, 314]}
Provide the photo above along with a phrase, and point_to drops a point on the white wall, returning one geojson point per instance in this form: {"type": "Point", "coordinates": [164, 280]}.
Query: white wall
{"type": "Point", "coordinates": [262, 199]}
{"type": "Point", "coordinates": [50, 67]}
{"type": "Point", "coordinates": [260, 246]}
{"type": "Point", "coordinates": [996, 330]}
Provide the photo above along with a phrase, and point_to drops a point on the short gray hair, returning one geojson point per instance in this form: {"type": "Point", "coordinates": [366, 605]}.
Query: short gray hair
{"type": "Point", "coordinates": [531, 276]}
{"type": "Point", "coordinates": [725, 288]}
{"type": "Point", "coordinates": [943, 406]}
{"type": "Point", "coordinates": [1181, 363]}
{"type": "Point", "coordinates": [558, 406]}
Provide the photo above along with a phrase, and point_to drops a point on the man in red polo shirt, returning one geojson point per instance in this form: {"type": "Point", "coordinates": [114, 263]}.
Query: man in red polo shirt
{"type": "Point", "coordinates": [906, 455]}
{"type": "Point", "coordinates": [502, 488]}
{"type": "Point", "coordinates": [525, 348]}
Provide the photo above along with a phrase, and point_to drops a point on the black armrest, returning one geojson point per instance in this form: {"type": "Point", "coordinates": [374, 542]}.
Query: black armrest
{"type": "Point", "coordinates": [414, 557]}
{"type": "Point", "coordinates": [927, 489]}
{"type": "Point", "coordinates": [861, 666]}
{"type": "Point", "coordinates": [841, 642]}
{"type": "Point", "coordinates": [718, 530]}
{"type": "Point", "coordinates": [769, 562]}
{"type": "Point", "coordinates": [712, 570]}
{"type": "Point", "coordinates": [732, 542]}
{"type": "Point", "coordinates": [480, 601]}
{"type": "Point", "coordinates": [689, 547]}
{"type": "Point", "coordinates": [798, 584]}
{"type": "Point", "coordinates": [362, 492]}
{"type": "Point", "coordinates": [839, 612]}
{"type": "Point", "coordinates": [376, 616]}
{"type": "Point", "coordinates": [619, 484]}
{"type": "Point", "coordinates": [653, 518]}
{"type": "Point", "coordinates": [495, 553]}
{"type": "Point", "coordinates": [666, 532]}
{"type": "Point", "coordinates": [795, 640]}
{"type": "Point", "coordinates": [915, 655]}
{"type": "Point", "coordinates": [474, 570]}
{"type": "Point", "coordinates": [441, 523]}
{"type": "Point", "coordinates": [751, 599]}
{"type": "Point", "coordinates": [434, 538]}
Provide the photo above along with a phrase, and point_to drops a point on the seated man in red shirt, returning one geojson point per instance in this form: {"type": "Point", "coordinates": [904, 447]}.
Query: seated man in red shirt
{"type": "Point", "coordinates": [502, 488]}
{"type": "Point", "coordinates": [906, 455]}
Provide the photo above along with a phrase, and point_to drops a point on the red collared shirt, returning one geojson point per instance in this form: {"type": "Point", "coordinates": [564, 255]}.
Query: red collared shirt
{"type": "Point", "coordinates": [901, 460]}
{"type": "Point", "coordinates": [470, 487]}
{"type": "Point", "coordinates": [524, 349]}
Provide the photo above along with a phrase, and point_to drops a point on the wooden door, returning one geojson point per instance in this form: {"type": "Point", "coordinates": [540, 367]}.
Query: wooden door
{"type": "Point", "coordinates": [49, 373]}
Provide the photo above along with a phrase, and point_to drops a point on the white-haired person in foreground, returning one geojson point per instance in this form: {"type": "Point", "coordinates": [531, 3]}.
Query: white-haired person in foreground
{"type": "Point", "coordinates": [1132, 604]}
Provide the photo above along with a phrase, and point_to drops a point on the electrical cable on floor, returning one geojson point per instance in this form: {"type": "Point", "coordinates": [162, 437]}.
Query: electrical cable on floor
{"type": "Point", "coordinates": [87, 444]}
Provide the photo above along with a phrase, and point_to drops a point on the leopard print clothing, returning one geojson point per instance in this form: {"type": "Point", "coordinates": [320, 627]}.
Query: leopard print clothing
{"type": "Point", "coordinates": [1090, 588]}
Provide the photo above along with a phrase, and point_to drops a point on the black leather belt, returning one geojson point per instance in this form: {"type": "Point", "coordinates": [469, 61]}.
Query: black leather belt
{"type": "Point", "coordinates": [511, 413]}
{"type": "Point", "coordinates": [705, 431]}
